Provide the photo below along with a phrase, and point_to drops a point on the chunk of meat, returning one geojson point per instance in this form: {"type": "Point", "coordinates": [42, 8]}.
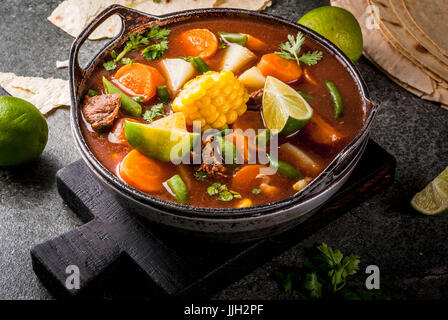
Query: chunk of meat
{"type": "Point", "coordinates": [256, 98]}
{"type": "Point", "coordinates": [100, 111]}
{"type": "Point", "coordinates": [211, 165]}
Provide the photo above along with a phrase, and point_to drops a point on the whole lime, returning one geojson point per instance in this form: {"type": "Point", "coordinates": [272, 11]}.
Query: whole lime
{"type": "Point", "coordinates": [23, 131]}
{"type": "Point", "coordinates": [337, 25]}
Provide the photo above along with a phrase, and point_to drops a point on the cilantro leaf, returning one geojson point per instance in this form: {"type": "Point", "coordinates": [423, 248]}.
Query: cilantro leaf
{"type": "Point", "coordinates": [311, 58]}
{"type": "Point", "coordinates": [127, 61]}
{"type": "Point", "coordinates": [109, 65]}
{"type": "Point", "coordinates": [157, 33]}
{"type": "Point", "coordinates": [256, 191]}
{"type": "Point", "coordinates": [200, 175]}
{"type": "Point", "coordinates": [224, 194]}
{"type": "Point", "coordinates": [324, 275]}
{"type": "Point", "coordinates": [156, 111]}
{"type": "Point", "coordinates": [290, 50]}
{"type": "Point", "coordinates": [313, 285]}
{"type": "Point", "coordinates": [155, 51]}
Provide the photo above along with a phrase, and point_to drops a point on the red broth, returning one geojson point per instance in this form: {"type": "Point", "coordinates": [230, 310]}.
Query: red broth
{"type": "Point", "coordinates": [329, 68]}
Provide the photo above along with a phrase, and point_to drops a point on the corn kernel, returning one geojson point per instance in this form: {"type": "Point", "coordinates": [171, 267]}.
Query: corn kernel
{"type": "Point", "coordinates": [231, 116]}
{"type": "Point", "coordinates": [214, 98]}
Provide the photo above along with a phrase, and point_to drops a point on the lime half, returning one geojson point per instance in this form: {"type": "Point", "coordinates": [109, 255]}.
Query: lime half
{"type": "Point", "coordinates": [284, 109]}
{"type": "Point", "coordinates": [433, 199]}
{"type": "Point", "coordinates": [23, 131]}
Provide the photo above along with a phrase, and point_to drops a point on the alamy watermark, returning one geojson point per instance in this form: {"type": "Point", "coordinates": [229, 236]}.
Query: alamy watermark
{"type": "Point", "coordinates": [231, 147]}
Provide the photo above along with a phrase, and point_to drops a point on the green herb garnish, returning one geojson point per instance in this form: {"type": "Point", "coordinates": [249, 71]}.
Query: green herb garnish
{"type": "Point", "coordinates": [256, 191]}
{"type": "Point", "coordinates": [224, 194]}
{"type": "Point", "coordinates": [291, 50]}
{"type": "Point", "coordinates": [127, 60]}
{"type": "Point", "coordinates": [214, 189]}
{"type": "Point", "coordinates": [201, 175]}
{"type": "Point", "coordinates": [156, 111]}
{"type": "Point", "coordinates": [157, 33]}
{"type": "Point", "coordinates": [136, 41]}
{"type": "Point", "coordinates": [109, 65]}
{"type": "Point", "coordinates": [324, 275]}
{"type": "Point", "coordinates": [155, 51]}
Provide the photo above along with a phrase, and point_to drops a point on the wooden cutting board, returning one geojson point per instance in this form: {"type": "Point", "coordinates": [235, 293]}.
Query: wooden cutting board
{"type": "Point", "coordinates": [121, 255]}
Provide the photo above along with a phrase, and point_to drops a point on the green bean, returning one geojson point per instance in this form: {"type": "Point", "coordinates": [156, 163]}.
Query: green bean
{"type": "Point", "coordinates": [199, 64]}
{"type": "Point", "coordinates": [337, 99]}
{"type": "Point", "coordinates": [237, 38]}
{"type": "Point", "coordinates": [178, 187]}
{"type": "Point", "coordinates": [128, 104]}
{"type": "Point", "coordinates": [284, 168]}
{"type": "Point", "coordinates": [163, 94]}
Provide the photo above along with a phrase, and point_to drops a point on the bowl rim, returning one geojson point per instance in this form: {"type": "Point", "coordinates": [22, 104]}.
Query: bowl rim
{"type": "Point", "coordinates": [206, 212]}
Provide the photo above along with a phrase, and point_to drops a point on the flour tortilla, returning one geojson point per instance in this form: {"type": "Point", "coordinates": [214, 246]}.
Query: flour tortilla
{"type": "Point", "coordinates": [72, 16]}
{"type": "Point", "coordinates": [440, 94]}
{"type": "Point", "coordinates": [388, 58]}
{"type": "Point", "coordinates": [406, 20]}
{"type": "Point", "coordinates": [431, 18]}
{"type": "Point", "coordinates": [402, 40]}
{"type": "Point", "coordinates": [45, 94]}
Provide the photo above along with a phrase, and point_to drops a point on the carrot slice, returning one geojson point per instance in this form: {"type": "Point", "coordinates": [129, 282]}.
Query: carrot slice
{"type": "Point", "coordinates": [308, 77]}
{"type": "Point", "coordinates": [272, 64]}
{"type": "Point", "coordinates": [117, 134]}
{"type": "Point", "coordinates": [143, 173]}
{"type": "Point", "coordinates": [320, 131]}
{"type": "Point", "coordinates": [139, 79]}
{"type": "Point", "coordinates": [241, 143]}
{"type": "Point", "coordinates": [199, 42]}
{"type": "Point", "coordinates": [246, 177]}
{"type": "Point", "coordinates": [254, 43]}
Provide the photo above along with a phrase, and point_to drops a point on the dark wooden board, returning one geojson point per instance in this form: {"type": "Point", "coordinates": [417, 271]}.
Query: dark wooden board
{"type": "Point", "coordinates": [120, 255]}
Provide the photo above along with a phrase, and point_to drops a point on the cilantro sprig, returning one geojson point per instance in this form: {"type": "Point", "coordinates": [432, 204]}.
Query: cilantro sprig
{"type": "Point", "coordinates": [155, 51]}
{"type": "Point", "coordinates": [290, 50]}
{"type": "Point", "coordinates": [156, 111]}
{"type": "Point", "coordinates": [137, 41]}
{"type": "Point", "coordinates": [324, 275]}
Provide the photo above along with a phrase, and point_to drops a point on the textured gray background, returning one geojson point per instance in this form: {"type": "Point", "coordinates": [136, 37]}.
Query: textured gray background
{"type": "Point", "coordinates": [410, 249]}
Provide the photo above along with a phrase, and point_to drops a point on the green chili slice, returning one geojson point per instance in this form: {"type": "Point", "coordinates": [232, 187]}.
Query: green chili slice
{"type": "Point", "coordinates": [337, 99]}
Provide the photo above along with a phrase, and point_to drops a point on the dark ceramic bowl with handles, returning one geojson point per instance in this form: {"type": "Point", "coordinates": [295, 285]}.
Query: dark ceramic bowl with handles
{"type": "Point", "coordinates": [223, 225]}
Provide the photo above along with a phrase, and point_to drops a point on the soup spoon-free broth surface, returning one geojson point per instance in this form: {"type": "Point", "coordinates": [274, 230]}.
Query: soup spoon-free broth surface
{"type": "Point", "coordinates": [111, 154]}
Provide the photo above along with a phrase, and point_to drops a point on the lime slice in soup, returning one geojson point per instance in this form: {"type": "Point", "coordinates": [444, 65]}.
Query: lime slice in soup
{"type": "Point", "coordinates": [284, 109]}
{"type": "Point", "coordinates": [433, 198]}
{"type": "Point", "coordinates": [158, 143]}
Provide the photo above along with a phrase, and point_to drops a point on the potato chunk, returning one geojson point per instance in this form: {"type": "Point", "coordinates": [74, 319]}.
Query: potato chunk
{"type": "Point", "coordinates": [236, 57]}
{"type": "Point", "coordinates": [252, 79]}
{"type": "Point", "coordinates": [177, 72]}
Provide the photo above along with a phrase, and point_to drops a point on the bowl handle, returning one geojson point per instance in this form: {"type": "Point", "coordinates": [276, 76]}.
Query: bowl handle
{"type": "Point", "coordinates": [130, 20]}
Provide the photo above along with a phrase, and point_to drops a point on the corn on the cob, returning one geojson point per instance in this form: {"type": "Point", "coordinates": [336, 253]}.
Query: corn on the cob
{"type": "Point", "coordinates": [216, 99]}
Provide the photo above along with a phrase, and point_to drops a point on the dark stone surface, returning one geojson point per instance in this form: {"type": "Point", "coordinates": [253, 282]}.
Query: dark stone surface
{"type": "Point", "coordinates": [409, 248]}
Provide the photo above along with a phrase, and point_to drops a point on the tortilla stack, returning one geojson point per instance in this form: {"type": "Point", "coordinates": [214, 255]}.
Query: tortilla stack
{"type": "Point", "coordinates": [400, 38]}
